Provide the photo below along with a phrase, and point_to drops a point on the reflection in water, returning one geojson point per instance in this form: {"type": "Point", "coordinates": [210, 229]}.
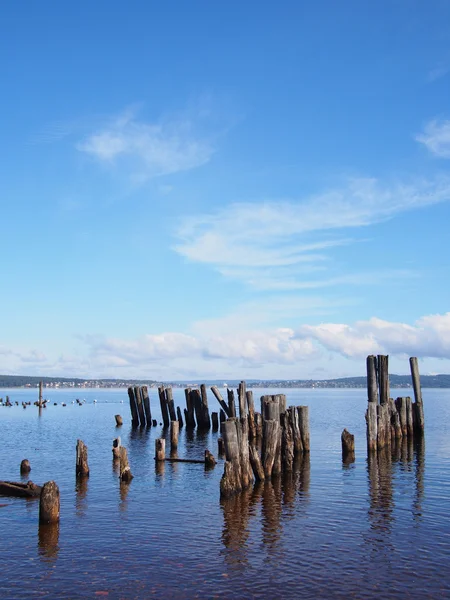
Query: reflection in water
{"type": "Point", "coordinates": [48, 541]}
{"type": "Point", "coordinates": [124, 488]}
{"type": "Point", "coordinates": [160, 468]}
{"type": "Point", "coordinates": [277, 499]}
{"type": "Point", "coordinates": [419, 448]}
{"type": "Point", "coordinates": [81, 489]}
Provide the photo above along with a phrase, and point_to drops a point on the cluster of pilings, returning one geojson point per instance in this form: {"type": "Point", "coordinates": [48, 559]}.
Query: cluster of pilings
{"type": "Point", "coordinates": [387, 420]}
{"type": "Point", "coordinates": [141, 414]}
{"type": "Point", "coordinates": [281, 433]}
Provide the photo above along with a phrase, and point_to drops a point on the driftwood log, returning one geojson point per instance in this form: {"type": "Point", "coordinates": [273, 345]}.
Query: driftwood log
{"type": "Point", "coordinates": [20, 490]}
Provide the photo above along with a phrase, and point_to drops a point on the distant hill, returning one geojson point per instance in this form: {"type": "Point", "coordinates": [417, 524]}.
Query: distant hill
{"type": "Point", "coordinates": [396, 381]}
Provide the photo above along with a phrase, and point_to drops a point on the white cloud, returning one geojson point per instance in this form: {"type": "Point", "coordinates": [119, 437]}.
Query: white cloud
{"type": "Point", "coordinates": [147, 150]}
{"type": "Point", "coordinates": [274, 244]}
{"type": "Point", "coordinates": [436, 137]}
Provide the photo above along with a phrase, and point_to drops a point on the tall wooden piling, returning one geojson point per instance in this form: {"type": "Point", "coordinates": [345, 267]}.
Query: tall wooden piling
{"type": "Point", "coordinates": [206, 420]}
{"type": "Point", "coordinates": [242, 399]}
{"type": "Point", "coordinates": [171, 404]}
{"type": "Point", "coordinates": [164, 408]}
{"type": "Point", "coordinates": [251, 415]}
{"type": "Point", "coordinates": [82, 466]}
{"type": "Point", "coordinates": [133, 408]}
{"type": "Point", "coordinates": [190, 409]}
{"type": "Point", "coordinates": [287, 442]}
{"type": "Point", "coordinates": [383, 378]}
{"type": "Point", "coordinates": [41, 387]}
{"type": "Point", "coordinates": [215, 421]}
{"type": "Point", "coordinates": [419, 420]}
{"type": "Point", "coordinates": [303, 420]}
{"type": "Point", "coordinates": [231, 403]}
{"type": "Point", "coordinates": [49, 504]}
{"type": "Point", "coordinates": [179, 417]}
{"type": "Point", "coordinates": [372, 389]}
{"type": "Point", "coordinates": [372, 426]}
{"type": "Point", "coordinates": [409, 416]}
{"type": "Point", "coordinates": [146, 402]}
{"type": "Point", "coordinates": [140, 406]}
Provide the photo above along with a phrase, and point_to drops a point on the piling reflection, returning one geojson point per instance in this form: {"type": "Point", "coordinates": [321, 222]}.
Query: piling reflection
{"type": "Point", "coordinates": [124, 488]}
{"type": "Point", "coordinates": [277, 500]}
{"type": "Point", "coordinates": [81, 490]}
{"type": "Point", "coordinates": [48, 542]}
{"type": "Point", "coordinates": [419, 451]}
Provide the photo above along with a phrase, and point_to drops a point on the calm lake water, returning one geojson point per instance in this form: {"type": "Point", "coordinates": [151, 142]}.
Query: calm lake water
{"type": "Point", "coordinates": [329, 531]}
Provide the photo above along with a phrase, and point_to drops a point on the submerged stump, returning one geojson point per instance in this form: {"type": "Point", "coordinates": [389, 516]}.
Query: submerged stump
{"type": "Point", "coordinates": [49, 504]}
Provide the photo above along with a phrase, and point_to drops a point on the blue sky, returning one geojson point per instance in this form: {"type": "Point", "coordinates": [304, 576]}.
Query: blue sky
{"type": "Point", "coordinates": [210, 189]}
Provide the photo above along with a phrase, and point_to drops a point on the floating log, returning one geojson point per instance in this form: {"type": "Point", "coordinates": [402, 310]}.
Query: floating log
{"type": "Point", "coordinates": [348, 445]}
{"type": "Point", "coordinates": [82, 466]}
{"type": "Point", "coordinates": [119, 420]}
{"type": "Point", "coordinates": [160, 449]}
{"type": "Point", "coordinates": [133, 408]}
{"type": "Point", "coordinates": [164, 408]}
{"type": "Point", "coordinates": [220, 400]}
{"type": "Point", "coordinates": [20, 490]}
{"type": "Point", "coordinates": [383, 378]}
{"type": "Point", "coordinates": [419, 419]}
{"type": "Point", "coordinates": [49, 505]}
{"type": "Point", "coordinates": [125, 471]}
{"type": "Point", "coordinates": [146, 402]}
{"type": "Point", "coordinates": [174, 430]}
{"type": "Point", "coordinates": [372, 389]}
{"type": "Point", "coordinates": [25, 466]}
{"type": "Point", "coordinates": [179, 417]}
{"type": "Point", "coordinates": [140, 406]}
{"type": "Point", "coordinates": [175, 459]}
{"type": "Point", "coordinates": [210, 461]}
{"type": "Point", "coordinates": [171, 404]}
{"type": "Point", "coordinates": [215, 421]}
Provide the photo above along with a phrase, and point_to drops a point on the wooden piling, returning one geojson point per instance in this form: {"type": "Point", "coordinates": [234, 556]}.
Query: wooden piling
{"type": "Point", "coordinates": [82, 466]}
{"type": "Point", "coordinates": [287, 442]}
{"type": "Point", "coordinates": [372, 426]}
{"type": "Point", "coordinates": [222, 416]}
{"type": "Point", "coordinates": [419, 419]}
{"type": "Point", "coordinates": [220, 447]}
{"type": "Point", "coordinates": [271, 445]}
{"type": "Point", "coordinates": [258, 424]}
{"type": "Point", "coordinates": [41, 387]}
{"type": "Point", "coordinates": [348, 445]}
{"type": "Point", "coordinates": [400, 403]}
{"type": "Point", "coordinates": [119, 420]}
{"type": "Point", "coordinates": [237, 470]}
{"type": "Point", "coordinates": [164, 408]}
{"type": "Point", "coordinates": [372, 388]}
{"type": "Point", "coordinates": [220, 400]}
{"type": "Point", "coordinates": [160, 449]}
{"type": "Point", "coordinates": [383, 378]}
{"type": "Point", "coordinates": [116, 448]}
{"type": "Point", "coordinates": [171, 404]}
{"type": "Point", "coordinates": [210, 461]}
{"type": "Point", "coordinates": [231, 403]}
{"type": "Point", "coordinates": [125, 471]}
{"type": "Point", "coordinates": [146, 402]}
{"type": "Point", "coordinates": [255, 461]}
{"type": "Point", "coordinates": [251, 415]}
{"type": "Point", "coordinates": [303, 419]}
{"type": "Point", "coordinates": [190, 410]}
{"type": "Point", "coordinates": [205, 421]}
{"type": "Point", "coordinates": [179, 417]}
{"type": "Point", "coordinates": [215, 421]}
{"type": "Point", "coordinates": [196, 400]}
{"type": "Point", "coordinates": [25, 467]}
{"type": "Point", "coordinates": [409, 416]}
{"type": "Point", "coordinates": [242, 400]}
{"type": "Point", "coordinates": [140, 406]}
{"type": "Point", "coordinates": [49, 504]}
{"type": "Point", "coordinates": [133, 408]}
{"type": "Point", "coordinates": [296, 433]}
{"type": "Point", "coordinates": [174, 430]}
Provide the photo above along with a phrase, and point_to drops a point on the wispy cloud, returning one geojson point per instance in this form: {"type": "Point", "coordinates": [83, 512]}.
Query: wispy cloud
{"type": "Point", "coordinates": [146, 150]}
{"type": "Point", "coordinates": [438, 72]}
{"type": "Point", "coordinates": [436, 137]}
{"type": "Point", "coordinates": [275, 244]}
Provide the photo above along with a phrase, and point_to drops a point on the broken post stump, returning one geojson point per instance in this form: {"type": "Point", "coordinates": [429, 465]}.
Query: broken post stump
{"type": "Point", "coordinates": [49, 504]}
{"type": "Point", "coordinates": [116, 448]}
{"type": "Point", "coordinates": [160, 449]}
{"type": "Point", "coordinates": [25, 467]}
{"type": "Point", "coordinates": [125, 471]}
{"type": "Point", "coordinates": [82, 466]}
{"type": "Point", "coordinates": [210, 461]}
{"type": "Point", "coordinates": [419, 419]}
{"type": "Point", "coordinates": [174, 430]}
{"type": "Point", "coordinates": [119, 420]}
{"type": "Point", "coordinates": [215, 421]}
{"type": "Point", "coordinates": [348, 444]}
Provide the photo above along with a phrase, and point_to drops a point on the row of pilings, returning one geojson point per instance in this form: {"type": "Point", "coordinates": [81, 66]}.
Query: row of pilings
{"type": "Point", "coordinates": [389, 420]}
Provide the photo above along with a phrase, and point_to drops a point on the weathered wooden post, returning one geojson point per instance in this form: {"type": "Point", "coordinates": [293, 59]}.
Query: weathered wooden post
{"type": "Point", "coordinates": [242, 399]}
{"type": "Point", "coordinates": [206, 421]}
{"type": "Point", "coordinates": [409, 416]}
{"type": "Point", "coordinates": [41, 387]}
{"type": "Point", "coordinates": [270, 445]}
{"type": "Point", "coordinates": [220, 400]}
{"type": "Point", "coordinates": [116, 448]}
{"type": "Point", "coordinates": [222, 416]}
{"type": "Point", "coordinates": [179, 417]}
{"type": "Point", "coordinates": [133, 408]}
{"type": "Point", "coordinates": [125, 471]}
{"type": "Point", "coordinates": [49, 504]}
{"type": "Point", "coordinates": [163, 404]}
{"type": "Point", "coordinates": [287, 441]}
{"type": "Point", "coordinates": [215, 421]}
{"type": "Point", "coordinates": [383, 378]}
{"type": "Point", "coordinates": [419, 419]}
{"type": "Point", "coordinates": [237, 470]}
{"type": "Point", "coordinates": [190, 410]}
{"type": "Point", "coordinates": [231, 403]}
{"type": "Point", "coordinates": [303, 419]}
{"type": "Point", "coordinates": [171, 404]}
{"type": "Point", "coordinates": [400, 403]}
{"type": "Point", "coordinates": [251, 416]}
{"type": "Point", "coordinates": [174, 430]}
{"type": "Point", "coordinates": [25, 467]}
{"type": "Point", "coordinates": [220, 447]}
{"type": "Point", "coordinates": [140, 406]}
{"type": "Point", "coordinates": [82, 466]}
{"type": "Point", "coordinates": [210, 461]}
{"type": "Point", "coordinates": [348, 445]}
{"type": "Point", "coordinates": [372, 389]}
{"type": "Point", "coordinates": [146, 402]}
{"type": "Point", "coordinates": [119, 420]}
{"type": "Point", "coordinates": [371, 413]}
{"type": "Point", "coordinates": [160, 449]}
{"type": "Point", "coordinates": [255, 461]}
